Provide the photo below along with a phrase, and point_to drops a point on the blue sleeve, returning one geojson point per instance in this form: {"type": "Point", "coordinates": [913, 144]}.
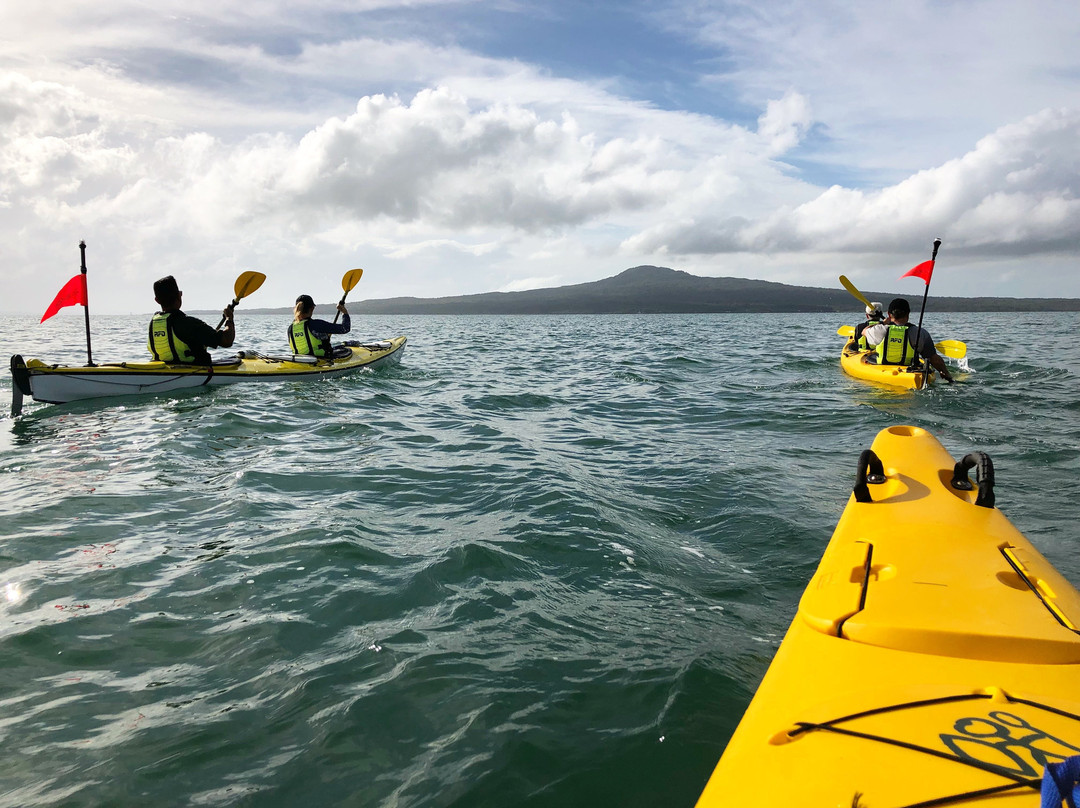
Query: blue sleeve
{"type": "Point", "coordinates": [324, 327]}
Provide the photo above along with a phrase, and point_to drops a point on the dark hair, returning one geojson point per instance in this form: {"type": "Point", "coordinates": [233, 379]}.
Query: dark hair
{"type": "Point", "coordinates": [166, 290]}
{"type": "Point", "coordinates": [899, 306]}
{"type": "Point", "coordinates": [307, 301]}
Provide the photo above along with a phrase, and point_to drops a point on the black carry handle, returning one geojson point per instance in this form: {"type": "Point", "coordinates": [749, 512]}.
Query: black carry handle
{"type": "Point", "coordinates": [984, 476]}
{"type": "Point", "coordinates": [870, 472]}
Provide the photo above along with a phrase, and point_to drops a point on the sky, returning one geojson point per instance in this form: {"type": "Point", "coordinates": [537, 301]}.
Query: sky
{"type": "Point", "coordinates": [464, 147]}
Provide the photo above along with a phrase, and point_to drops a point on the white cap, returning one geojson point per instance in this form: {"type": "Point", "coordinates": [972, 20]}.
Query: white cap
{"type": "Point", "coordinates": [872, 308]}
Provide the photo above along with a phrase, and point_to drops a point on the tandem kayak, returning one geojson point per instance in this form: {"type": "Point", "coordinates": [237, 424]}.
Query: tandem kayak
{"type": "Point", "coordinates": [860, 364]}
{"type": "Point", "coordinates": [55, 384]}
{"type": "Point", "coordinates": [934, 658]}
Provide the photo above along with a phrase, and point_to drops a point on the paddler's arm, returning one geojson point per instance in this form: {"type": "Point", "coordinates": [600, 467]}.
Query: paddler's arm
{"type": "Point", "coordinates": [346, 321]}
{"type": "Point", "coordinates": [228, 333]}
{"type": "Point", "coordinates": [927, 349]}
{"type": "Point", "coordinates": [326, 327]}
{"type": "Point", "coordinates": [940, 367]}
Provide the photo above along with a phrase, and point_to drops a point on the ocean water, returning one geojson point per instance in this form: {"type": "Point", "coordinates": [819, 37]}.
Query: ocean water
{"type": "Point", "coordinates": [544, 561]}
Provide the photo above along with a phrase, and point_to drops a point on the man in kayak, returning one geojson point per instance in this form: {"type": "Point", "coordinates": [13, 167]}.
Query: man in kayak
{"type": "Point", "coordinates": [897, 340]}
{"type": "Point", "coordinates": [176, 337]}
{"type": "Point", "coordinates": [311, 337]}
{"type": "Point", "coordinates": [874, 315]}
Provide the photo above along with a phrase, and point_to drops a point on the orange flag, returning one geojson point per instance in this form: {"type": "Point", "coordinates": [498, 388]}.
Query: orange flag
{"type": "Point", "coordinates": [73, 294]}
{"type": "Point", "coordinates": [923, 270]}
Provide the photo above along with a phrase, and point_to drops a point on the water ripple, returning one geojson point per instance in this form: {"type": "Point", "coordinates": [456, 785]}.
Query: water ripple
{"type": "Point", "coordinates": [544, 561]}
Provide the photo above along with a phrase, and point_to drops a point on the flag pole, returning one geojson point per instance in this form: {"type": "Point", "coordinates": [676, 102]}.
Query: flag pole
{"type": "Point", "coordinates": [86, 306]}
{"type": "Point", "coordinates": [926, 292]}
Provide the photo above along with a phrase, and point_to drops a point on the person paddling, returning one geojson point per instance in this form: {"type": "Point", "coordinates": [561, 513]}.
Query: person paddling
{"type": "Point", "coordinates": [897, 341]}
{"type": "Point", "coordinates": [311, 337]}
{"type": "Point", "coordinates": [874, 315]}
{"type": "Point", "coordinates": [178, 338]}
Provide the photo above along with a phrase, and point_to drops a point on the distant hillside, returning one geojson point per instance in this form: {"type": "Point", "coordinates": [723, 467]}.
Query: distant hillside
{"type": "Point", "coordinates": [656, 290]}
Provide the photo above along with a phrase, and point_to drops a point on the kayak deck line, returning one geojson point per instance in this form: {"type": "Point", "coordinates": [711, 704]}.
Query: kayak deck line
{"type": "Point", "coordinates": [1020, 776]}
{"type": "Point", "coordinates": [933, 659]}
{"type": "Point", "coordinates": [57, 384]}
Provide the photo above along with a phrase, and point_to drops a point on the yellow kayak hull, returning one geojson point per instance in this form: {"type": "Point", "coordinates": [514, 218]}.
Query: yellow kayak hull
{"type": "Point", "coordinates": [855, 363]}
{"type": "Point", "coordinates": [935, 652]}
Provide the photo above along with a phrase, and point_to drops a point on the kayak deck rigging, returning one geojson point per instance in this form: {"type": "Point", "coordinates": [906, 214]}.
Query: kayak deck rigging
{"type": "Point", "coordinates": [1023, 775]}
{"type": "Point", "coordinates": [933, 660]}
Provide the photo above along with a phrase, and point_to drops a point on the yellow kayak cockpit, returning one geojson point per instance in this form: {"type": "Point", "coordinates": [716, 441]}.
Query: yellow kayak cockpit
{"type": "Point", "coordinates": [879, 585]}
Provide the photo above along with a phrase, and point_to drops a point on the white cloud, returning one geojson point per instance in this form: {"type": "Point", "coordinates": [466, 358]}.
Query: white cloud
{"type": "Point", "coordinates": [1017, 191]}
{"type": "Point", "coordinates": [900, 85]}
{"type": "Point", "coordinates": [207, 138]}
{"type": "Point", "coordinates": [784, 122]}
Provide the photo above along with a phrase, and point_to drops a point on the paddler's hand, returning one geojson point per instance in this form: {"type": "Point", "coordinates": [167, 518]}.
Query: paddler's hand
{"type": "Point", "coordinates": [341, 308]}
{"type": "Point", "coordinates": [228, 333]}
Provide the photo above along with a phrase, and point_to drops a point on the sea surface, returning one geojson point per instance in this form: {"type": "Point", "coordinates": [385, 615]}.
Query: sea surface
{"type": "Point", "coordinates": [544, 561]}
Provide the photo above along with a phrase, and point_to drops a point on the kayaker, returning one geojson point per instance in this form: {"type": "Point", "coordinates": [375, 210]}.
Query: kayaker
{"type": "Point", "coordinates": [311, 337]}
{"type": "Point", "coordinates": [874, 315]}
{"type": "Point", "coordinates": [896, 340]}
{"type": "Point", "coordinates": [178, 338]}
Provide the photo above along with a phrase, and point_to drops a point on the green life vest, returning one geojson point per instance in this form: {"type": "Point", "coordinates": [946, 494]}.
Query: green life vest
{"type": "Point", "coordinates": [895, 348]}
{"type": "Point", "coordinates": [860, 333]}
{"type": "Point", "coordinates": [163, 344]}
{"type": "Point", "coordinates": [303, 341]}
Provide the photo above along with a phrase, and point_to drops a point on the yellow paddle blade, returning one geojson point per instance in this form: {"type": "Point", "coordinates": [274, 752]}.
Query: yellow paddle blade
{"type": "Point", "coordinates": [351, 278]}
{"type": "Point", "coordinates": [846, 331]}
{"type": "Point", "coordinates": [952, 348]}
{"type": "Point", "coordinates": [247, 283]}
{"type": "Point", "coordinates": [855, 292]}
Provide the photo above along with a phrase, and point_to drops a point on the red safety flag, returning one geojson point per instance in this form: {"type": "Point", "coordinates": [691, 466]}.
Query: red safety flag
{"type": "Point", "coordinates": [73, 294]}
{"type": "Point", "coordinates": [923, 270]}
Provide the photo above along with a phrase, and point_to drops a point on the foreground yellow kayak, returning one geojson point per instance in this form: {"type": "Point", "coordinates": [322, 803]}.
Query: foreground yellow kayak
{"type": "Point", "coordinates": [857, 363]}
{"type": "Point", "coordinates": [934, 659]}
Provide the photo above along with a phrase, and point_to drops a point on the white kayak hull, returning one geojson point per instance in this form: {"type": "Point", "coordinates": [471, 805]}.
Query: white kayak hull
{"type": "Point", "coordinates": [54, 384]}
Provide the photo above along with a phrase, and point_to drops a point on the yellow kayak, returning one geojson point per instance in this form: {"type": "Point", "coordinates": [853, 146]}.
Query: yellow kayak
{"type": "Point", "coordinates": [858, 364]}
{"type": "Point", "coordinates": [934, 658]}
{"type": "Point", "coordinates": [58, 384]}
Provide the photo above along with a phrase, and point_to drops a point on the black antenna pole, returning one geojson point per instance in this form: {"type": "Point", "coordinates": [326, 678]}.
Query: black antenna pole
{"type": "Point", "coordinates": [86, 306]}
{"type": "Point", "coordinates": [926, 291]}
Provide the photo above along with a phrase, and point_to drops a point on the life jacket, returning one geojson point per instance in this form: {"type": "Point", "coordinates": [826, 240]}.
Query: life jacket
{"type": "Point", "coordinates": [860, 332]}
{"type": "Point", "coordinates": [163, 344]}
{"type": "Point", "coordinates": [895, 348]}
{"type": "Point", "coordinates": [304, 341]}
